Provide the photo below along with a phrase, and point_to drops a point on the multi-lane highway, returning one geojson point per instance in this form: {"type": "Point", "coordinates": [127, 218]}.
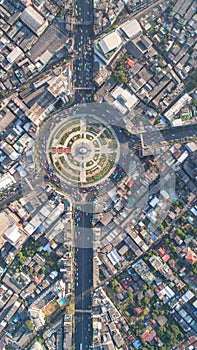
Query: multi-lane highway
{"type": "Point", "coordinates": [176, 133]}
{"type": "Point", "coordinates": [83, 279]}
{"type": "Point", "coordinates": [84, 51]}
{"type": "Point", "coordinates": [84, 89]}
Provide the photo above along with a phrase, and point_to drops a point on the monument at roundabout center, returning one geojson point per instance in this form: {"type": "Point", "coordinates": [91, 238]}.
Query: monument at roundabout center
{"type": "Point", "coordinates": [82, 150]}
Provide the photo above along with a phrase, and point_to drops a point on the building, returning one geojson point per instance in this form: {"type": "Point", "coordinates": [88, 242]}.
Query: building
{"type": "Point", "coordinates": [138, 47]}
{"type": "Point", "coordinates": [110, 42]}
{"type": "Point", "coordinates": [174, 110]}
{"type": "Point", "coordinates": [14, 235]}
{"type": "Point", "coordinates": [7, 220]}
{"type": "Point", "coordinates": [37, 346]}
{"type": "Point", "coordinates": [37, 317]}
{"type": "Point", "coordinates": [131, 29]}
{"type": "Point", "coordinates": [14, 55]}
{"type": "Point", "coordinates": [49, 43]}
{"type": "Point", "coordinates": [114, 257]}
{"type": "Point", "coordinates": [124, 101]}
{"type": "Point", "coordinates": [6, 180]}
{"type": "Point", "coordinates": [6, 118]}
{"type": "Point", "coordinates": [129, 63]}
{"type": "Point", "coordinates": [191, 147]}
{"type": "Point", "coordinates": [34, 20]}
{"type": "Point", "coordinates": [177, 122]}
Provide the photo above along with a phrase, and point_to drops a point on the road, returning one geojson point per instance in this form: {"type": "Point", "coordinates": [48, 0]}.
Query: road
{"type": "Point", "coordinates": [176, 133]}
{"type": "Point", "coordinates": [83, 55]}
{"type": "Point", "coordinates": [83, 279]}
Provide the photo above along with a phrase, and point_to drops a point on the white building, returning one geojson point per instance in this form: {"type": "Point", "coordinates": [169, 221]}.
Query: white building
{"type": "Point", "coordinates": [183, 156]}
{"type": "Point", "coordinates": [174, 110]}
{"type": "Point", "coordinates": [14, 55]}
{"type": "Point", "coordinates": [131, 29]}
{"type": "Point", "coordinates": [176, 122]}
{"type": "Point", "coordinates": [124, 101]}
{"type": "Point", "coordinates": [13, 234]}
{"type": "Point", "coordinates": [154, 201]}
{"type": "Point", "coordinates": [6, 181]}
{"type": "Point", "coordinates": [114, 257]}
{"type": "Point", "coordinates": [110, 42]}
{"type": "Point", "coordinates": [191, 146]}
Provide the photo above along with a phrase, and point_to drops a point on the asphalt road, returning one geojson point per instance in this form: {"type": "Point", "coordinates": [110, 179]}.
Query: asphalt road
{"type": "Point", "coordinates": [176, 133]}
{"type": "Point", "coordinates": [83, 279]}
{"type": "Point", "coordinates": [84, 51]}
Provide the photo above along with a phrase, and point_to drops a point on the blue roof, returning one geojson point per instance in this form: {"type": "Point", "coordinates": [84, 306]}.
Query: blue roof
{"type": "Point", "coordinates": [137, 344]}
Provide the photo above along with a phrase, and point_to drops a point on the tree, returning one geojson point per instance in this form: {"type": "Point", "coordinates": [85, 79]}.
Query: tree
{"type": "Point", "coordinates": [161, 228]}
{"type": "Point", "coordinates": [29, 324]}
{"type": "Point", "coordinates": [173, 249]}
{"type": "Point", "coordinates": [43, 270]}
{"type": "Point", "coordinates": [120, 77]}
{"type": "Point", "coordinates": [180, 233]}
{"type": "Point", "coordinates": [130, 295]}
{"type": "Point", "coordinates": [194, 103]}
{"type": "Point", "coordinates": [183, 220]}
{"type": "Point", "coordinates": [41, 340]}
{"type": "Point", "coordinates": [144, 287]}
{"type": "Point", "coordinates": [114, 285]}
{"type": "Point", "coordinates": [146, 301]}
{"type": "Point", "coordinates": [194, 268]}
{"type": "Point", "coordinates": [21, 258]}
{"type": "Point", "coordinates": [145, 312]}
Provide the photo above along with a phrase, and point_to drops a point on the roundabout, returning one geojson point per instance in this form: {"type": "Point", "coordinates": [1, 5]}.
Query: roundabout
{"type": "Point", "coordinates": [82, 150]}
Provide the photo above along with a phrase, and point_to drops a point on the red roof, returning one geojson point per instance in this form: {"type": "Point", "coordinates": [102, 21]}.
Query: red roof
{"type": "Point", "coordinates": [177, 154]}
{"type": "Point", "coordinates": [11, 208]}
{"type": "Point", "coordinates": [191, 258]}
{"type": "Point", "coordinates": [165, 258]}
{"type": "Point", "coordinates": [138, 310]}
{"type": "Point", "coordinates": [161, 251]}
{"type": "Point", "coordinates": [129, 62]}
{"type": "Point", "coordinates": [130, 183]}
{"type": "Point", "coordinates": [148, 336]}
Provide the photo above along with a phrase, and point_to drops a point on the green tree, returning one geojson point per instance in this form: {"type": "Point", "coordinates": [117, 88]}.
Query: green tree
{"type": "Point", "coordinates": [161, 228]}
{"type": "Point", "coordinates": [130, 295]}
{"type": "Point", "coordinates": [114, 284]}
{"type": "Point", "coordinates": [120, 77]}
{"type": "Point", "coordinates": [29, 324]}
{"type": "Point", "coordinates": [41, 340]}
{"type": "Point", "coordinates": [21, 258]}
{"type": "Point", "coordinates": [183, 220]}
{"type": "Point", "coordinates": [194, 103]}
{"type": "Point", "coordinates": [146, 301]}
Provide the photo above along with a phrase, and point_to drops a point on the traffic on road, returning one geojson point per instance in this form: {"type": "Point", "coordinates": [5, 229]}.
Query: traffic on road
{"type": "Point", "coordinates": [83, 279]}
{"type": "Point", "coordinates": [84, 51]}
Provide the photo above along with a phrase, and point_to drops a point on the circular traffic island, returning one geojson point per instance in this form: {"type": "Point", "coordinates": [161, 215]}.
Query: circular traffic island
{"type": "Point", "coordinates": [82, 150]}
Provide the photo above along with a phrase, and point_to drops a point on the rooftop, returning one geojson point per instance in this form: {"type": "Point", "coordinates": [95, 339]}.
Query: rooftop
{"type": "Point", "coordinates": [32, 19]}
{"type": "Point", "coordinates": [110, 42]}
{"type": "Point", "coordinates": [131, 28]}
